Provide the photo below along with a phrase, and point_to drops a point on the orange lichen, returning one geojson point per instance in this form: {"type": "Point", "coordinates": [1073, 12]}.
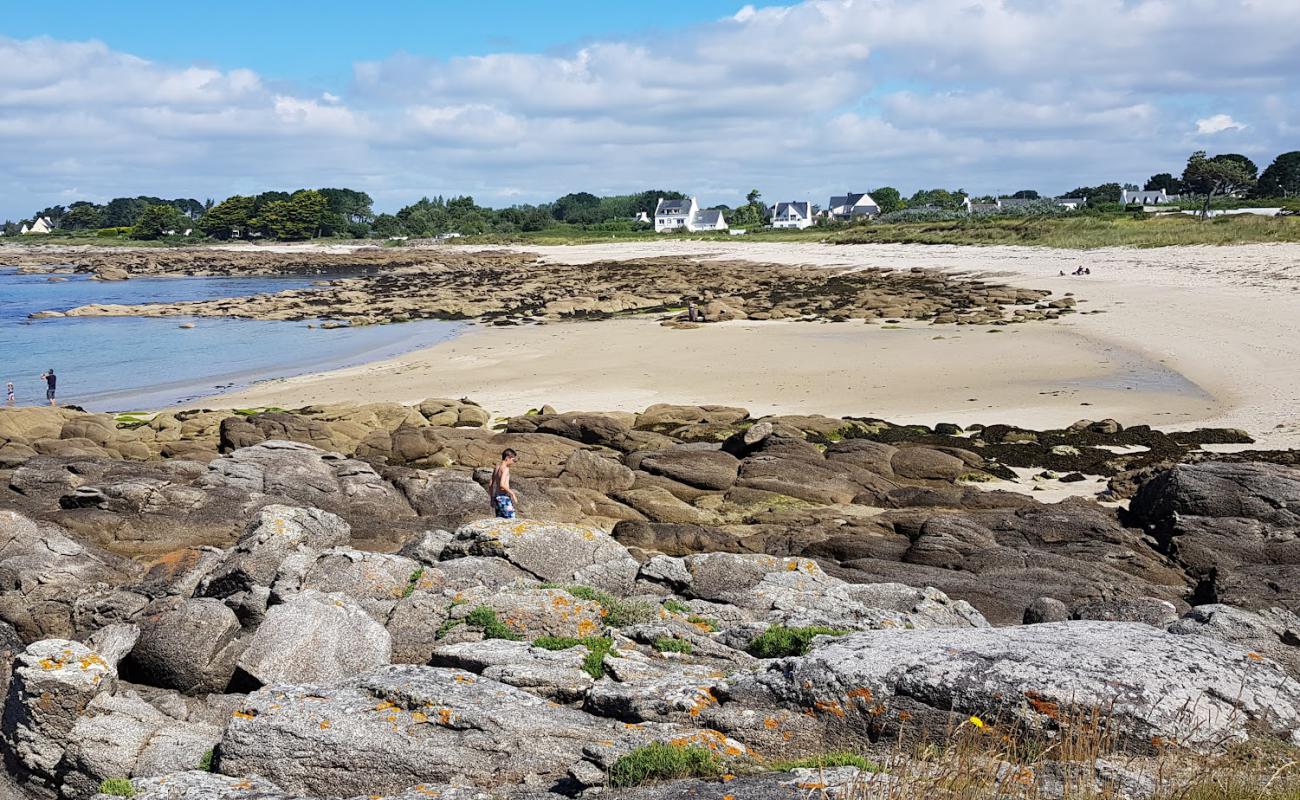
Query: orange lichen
{"type": "Point", "coordinates": [862, 693]}
{"type": "Point", "coordinates": [325, 724]}
{"type": "Point", "coordinates": [445, 716]}
{"type": "Point", "coordinates": [419, 717]}
{"type": "Point", "coordinates": [241, 714]}
{"type": "Point", "coordinates": [1253, 656]}
{"type": "Point", "coordinates": [771, 724]}
{"type": "Point", "coordinates": [829, 707]}
{"type": "Point", "coordinates": [1042, 705]}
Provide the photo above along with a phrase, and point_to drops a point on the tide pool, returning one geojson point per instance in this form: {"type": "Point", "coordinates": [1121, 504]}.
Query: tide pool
{"type": "Point", "coordinates": [135, 363]}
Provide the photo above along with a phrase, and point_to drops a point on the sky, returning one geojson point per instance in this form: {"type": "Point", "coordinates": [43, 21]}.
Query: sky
{"type": "Point", "coordinates": [516, 101]}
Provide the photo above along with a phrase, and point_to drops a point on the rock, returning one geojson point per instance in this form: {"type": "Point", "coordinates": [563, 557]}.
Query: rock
{"type": "Point", "coordinates": [376, 580]}
{"type": "Point", "coordinates": [587, 469]}
{"type": "Point", "coordinates": [315, 637]}
{"type": "Point", "coordinates": [531, 612]}
{"type": "Point", "coordinates": [180, 572]}
{"type": "Point", "coordinates": [1046, 609]}
{"type": "Point", "coordinates": [426, 547]}
{"type": "Point", "coordinates": [1272, 633]}
{"type": "Point", "coordinates": [52, 586]}
{"type": "Point", "coordinates": [123, 736]}
{"type": "Point", "coordinates": [796, 592]}
{"type": "Point", "coordinates": [660, 505]}
{"type": "Point", "coordinates": [664, 417]}
{"type": "Point", "coordinates": [815, 483]}
{"type": "Point", "coordinates": [1148, 610]}
{"type": "Point", "coordinates": [414, 624]}
{"type": "Point", "coordinates": [550, 551]}
{"type": "Point", "coordinates": [404, 725]}
{"type": "Point", "coordinates": [445, 496]}
{"type": "Point", "coordinates": [1265, 492]}
{"type": "Point", "coordinates": [189, 645]}
{"type": "Point", "coordinates": [704, 469]}
{"type": "Point", "coordinates": [113, 642]}
{"type": "Point", "coordinates": [553, 674]}
{"type": "Point", "coordinates": [924, 463]}
{"type": "Point", "coordinates": [54, 680]}
{"type": "Point", "coordinates": [1192, 690]}
{"type": "Point", "coordinates": [244, 576]}
{"type": "Point", "coordinates": [643, 690]}
{"type": "Point", "coordinates": [201, 785]}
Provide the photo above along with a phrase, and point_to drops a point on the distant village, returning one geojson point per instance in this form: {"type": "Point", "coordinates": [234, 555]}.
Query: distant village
{"type": "Point", "coordinates": [687, 215]}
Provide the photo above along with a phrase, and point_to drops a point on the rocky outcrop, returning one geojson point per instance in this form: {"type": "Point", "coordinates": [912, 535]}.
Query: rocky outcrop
{"type": "Point", "coordinates": [314, 637]}
{"type": "Point", "coordinates": [1191, 690]}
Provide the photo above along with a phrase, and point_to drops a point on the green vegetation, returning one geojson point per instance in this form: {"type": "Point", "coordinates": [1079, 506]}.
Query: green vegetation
{"type": "Point", "coordinates": [826, 760]}
{"type": "Point", "coordinates": [677, 607]}
{"type": "Point", "coordinates": [1079, 231]}
{"type": "Point", "coordinates": [665, 644]}
{"type": "Point", "coordinates": [703, 622]}
{"type": "Point", "coordinates": [485, 618]}
{"type": "Point", "coordinates": [412, 581]}
{"type": "Point", "coordinates": [597, 648]}
{"type": "Point", "coordinates": [618, 612]}
{"type": "Point", "coordinates": [779, 641]}
{"type": "Point", "coordinates": [205, 763]}
{"type": "Point", "coordinates": [662, 762]}
{"type": "Point", "coordinates": [118, 787]}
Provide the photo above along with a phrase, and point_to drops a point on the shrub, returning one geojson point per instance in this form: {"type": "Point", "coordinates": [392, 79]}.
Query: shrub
{"type": "Point", "coordinates": [702, 622]}
{"type": "Point", "coordinates": [118, 787]}
{"type": "Point", "coordinates": [677, 607]}
{"type": "Point", "coordinates": [826, 760]}
{"type": "Point", "coordinates": [661, 762]}
{"type": "Point", "coordinates": [779, 641]}
{"type": "Point", "coordinates": [618, 612]}
{"type": "Point", "coordinates": [597, 648]}
{"type": "Point", "coordinates": [666, 644]}
{"type": "Point", "coordinates": [485, 619]}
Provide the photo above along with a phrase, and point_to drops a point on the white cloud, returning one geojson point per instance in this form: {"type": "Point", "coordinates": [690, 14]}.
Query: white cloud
{"type": "Point", "coordinates": [987, 94]}
{"type": "Point", "coordinates": [1218, 124]}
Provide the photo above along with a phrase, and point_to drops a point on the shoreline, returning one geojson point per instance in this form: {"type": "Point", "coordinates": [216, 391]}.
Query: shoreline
{"type": "Point", "coordinates": [1207, 332]}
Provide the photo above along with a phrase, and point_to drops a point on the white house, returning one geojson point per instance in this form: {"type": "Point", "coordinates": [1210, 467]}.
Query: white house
{"type": "Point", "coordinates": [1147, 198]}
{"type": "Point", "coordinates": [678, 215]}
{"type": "Point", "coordinates": [798, 214]}
{"type": "Point", "coordinates": [852, 206]}
{"type": "Point", "coordinates": [41, 225]}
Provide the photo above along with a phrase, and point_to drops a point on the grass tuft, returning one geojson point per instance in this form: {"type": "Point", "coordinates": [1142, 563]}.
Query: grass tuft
{"type": "Point", "coordinates": [839, 758]}
{"type": "Point", "coordinates": [118, 787]}
{"type": "Point", "coordinates": [665, 644]}
{"type": "Point", "coordinates": [618, 612]}
{"type": "Point", "coordinates": [412, 581]}
{"type": "Point", "coordinates": [485, 618]}
{"type": "Point", "coordinates": [677, 607]}
{"type": "Point", "coordinates": [205, 763]}
{"type": "Point", "coordinates": [779, 641]}
{"type": "Point", "coordinates": [662, 762]}
{"type": "Point", "coordinates": [597, 648]}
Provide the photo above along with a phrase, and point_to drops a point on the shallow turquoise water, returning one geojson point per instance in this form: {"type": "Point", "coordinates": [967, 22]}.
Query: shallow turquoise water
{"type": "Point", "coordinates": [122, 363]}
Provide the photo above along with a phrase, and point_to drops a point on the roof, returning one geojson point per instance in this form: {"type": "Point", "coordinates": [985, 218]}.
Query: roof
{"type": "Point", "coordinates": [801, 207]}
{"type": "Point", "coordinates": [852, 199]}
{"type": "Point", "coordinates": [708, 216]}
{"type": "Point", "coordinates": [673, 206]}
{"type": "Point", "coordinates": [1014, 202]}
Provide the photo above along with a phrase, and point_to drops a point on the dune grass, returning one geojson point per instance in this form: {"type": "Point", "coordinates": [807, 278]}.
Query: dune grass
{"type": "Point", "coordinates": [1083, 232]}
{"type": "Point", "coordinates": [662, 762]}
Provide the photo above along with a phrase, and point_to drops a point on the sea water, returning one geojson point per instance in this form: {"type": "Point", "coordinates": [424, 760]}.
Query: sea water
{"type": "Point", "coordinates": [134, 363]}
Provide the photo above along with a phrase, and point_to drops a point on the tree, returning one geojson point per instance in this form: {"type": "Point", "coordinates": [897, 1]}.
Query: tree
{"type": "Point", "coordinates": [938, 198]}
{"type": "Point", "coordinates": [1025, 194]}
{"type": "Point", "coordinates": [1281, 178]}
{"type": "Point", "coordinates": [579, 208]}
{"type": "Point", "coordinates": [1238, 158]}
{"type": "Point", "coordinates": [299, 217]}
{"type": "Point", "coordinates": [753, 197]}
{"type": "Point", "coordinates": [1163, 180]}
{"type": "Point", "coordinates": [888, 198]}
{"type": "Point", "coordinates": [229, 218]}
{"type": "Point", "coordinates": [159, 220]}
{"type": "Point", "coordinates": [82, 216]}
{"type": "Point", "coordinates": [1216, 177]}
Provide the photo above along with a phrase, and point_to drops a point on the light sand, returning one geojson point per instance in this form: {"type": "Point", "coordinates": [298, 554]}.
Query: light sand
{"type": "Point", "coordinates": [1190, 336]}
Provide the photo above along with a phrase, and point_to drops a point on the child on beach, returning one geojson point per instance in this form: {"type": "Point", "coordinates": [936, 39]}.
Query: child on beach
{"type": "Point", "coordinates": [9, 393]}
{"type": "Point", "coordinates": [503, 497]}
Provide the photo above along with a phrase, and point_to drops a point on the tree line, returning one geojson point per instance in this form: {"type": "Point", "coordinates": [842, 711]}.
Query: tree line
{"type": "Point", "coordinates": [347, 213]}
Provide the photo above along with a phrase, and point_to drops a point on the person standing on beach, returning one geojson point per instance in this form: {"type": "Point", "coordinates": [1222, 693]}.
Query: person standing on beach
{"type": "Point", "coordinates": [9, 393]}
{"type": "Point", "coordinates": [51, 382]}
{"type": "Point", "coordinates": [503, 497]}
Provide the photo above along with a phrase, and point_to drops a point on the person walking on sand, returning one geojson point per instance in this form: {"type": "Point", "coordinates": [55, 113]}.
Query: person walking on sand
{"type": "Point", "coordinates": [9, 393]}
{"type": "Point", "coordinates": [503, 497]}
{"type": "Point", "coordinates": [51, 383]}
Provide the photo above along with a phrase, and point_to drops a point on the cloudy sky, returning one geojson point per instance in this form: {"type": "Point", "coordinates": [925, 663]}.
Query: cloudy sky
{"type": "Point", "coordinates": [517, 101]}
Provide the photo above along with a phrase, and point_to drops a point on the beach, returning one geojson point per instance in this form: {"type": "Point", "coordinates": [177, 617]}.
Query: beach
{"type": "Point", "coordinates": [1185, 337]}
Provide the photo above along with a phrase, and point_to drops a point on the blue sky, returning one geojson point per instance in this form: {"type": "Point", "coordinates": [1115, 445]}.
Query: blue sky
{"type": "Point", "coordinates": [518, 102]}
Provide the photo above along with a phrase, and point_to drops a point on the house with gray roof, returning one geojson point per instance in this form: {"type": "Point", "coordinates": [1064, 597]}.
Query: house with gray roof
{"type": "Point", "coordinates": [1147, 197]}
{"type": "Point", "coordinates": [686, 215]}
{"type": "Point", "coordinates": [852, 206]}
{"type": "Point", "coordinates": [798, 214]}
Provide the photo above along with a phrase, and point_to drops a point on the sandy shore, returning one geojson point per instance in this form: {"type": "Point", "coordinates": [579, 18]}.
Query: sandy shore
{"type": "Point", "coordinates": [1190, 336]}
